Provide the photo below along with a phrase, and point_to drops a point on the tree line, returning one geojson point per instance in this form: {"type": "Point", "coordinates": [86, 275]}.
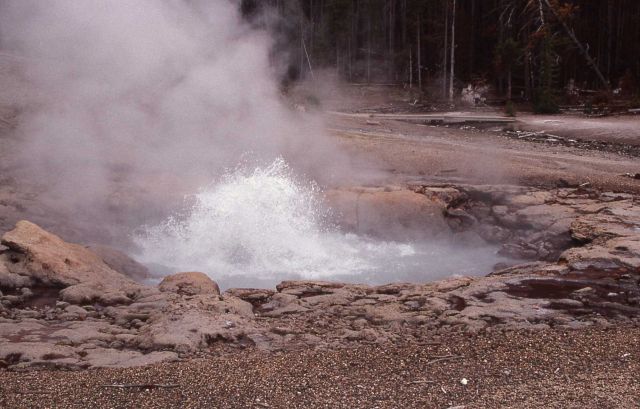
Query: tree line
{"type": "Point", "coordinates": [524, 49]}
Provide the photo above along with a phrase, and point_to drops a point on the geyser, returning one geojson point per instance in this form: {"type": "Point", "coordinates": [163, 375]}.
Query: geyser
{"type": "Point", "coordinates": [136, 103]}
{"type": "Point", "coordinates": [258, 227]}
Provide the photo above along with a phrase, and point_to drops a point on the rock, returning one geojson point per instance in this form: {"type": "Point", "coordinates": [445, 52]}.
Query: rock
{"type": "Point", "coordinates": [188, 331]}
{"type": "Point", "coordinates": [77, 311]}
{"type": "Point", "coordinates": [82, 332]}
{"type": "Point", "coordinates": [52, 261]}
{"type": "Point", "coordinates": [190, 283]}
{"type": "Point", "coordinates": [397, 215]}
{"type": "Point", "coordinates": [61, 304]}
{"type": "Point", "coordinates": [493, 234]}
{"type": "Point", "coordinates": [113, 358]}
{"type": "Point", "coordinates": [584, 290]}
{"type": "Point", "coordinates": [98, 292]}
{"type": "Point", "coordinates": [592, 284]}
{"type": "Point", "coordinates": [255, 296]}
{"type": "Point", "coordinates": [34, 352]}
{"type": "Point", "coordinates": [26, 292]}
{"type": "Point", "coordinates": [38, 257]}
{"type": "Point", "coordinates": [9, 279]}
{"type": "Point", "coordinates": [616, 256]}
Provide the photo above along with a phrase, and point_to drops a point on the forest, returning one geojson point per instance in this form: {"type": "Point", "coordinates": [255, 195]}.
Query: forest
{"type": "Point", "coordinates": [546, 51]}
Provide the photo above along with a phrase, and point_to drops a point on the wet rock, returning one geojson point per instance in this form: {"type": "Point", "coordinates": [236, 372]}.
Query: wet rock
{"type": "Point", "coordinates": [617, 256]}
{"type": "Point", "coordinates": [189, 283]}
{"type": "Point", "coordinates": [494, 234]}
{"type": "Point", "coordinates": [399, 214]}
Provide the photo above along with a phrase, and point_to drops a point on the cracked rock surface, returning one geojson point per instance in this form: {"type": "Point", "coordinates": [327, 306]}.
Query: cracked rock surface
{"type": "Point", "coordinates": [66, 306]}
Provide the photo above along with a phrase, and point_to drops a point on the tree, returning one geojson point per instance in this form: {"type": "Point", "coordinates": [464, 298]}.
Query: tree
{"type": "Point", "coordinates": [453, 50]}
{"type": "Point", "coordinates": [507, 54]}
{"type": "Point", "coordinates": [401, 40]}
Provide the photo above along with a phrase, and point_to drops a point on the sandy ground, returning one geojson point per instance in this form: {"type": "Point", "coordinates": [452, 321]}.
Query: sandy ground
{"type": "Point", "coordinates": [548, 369]}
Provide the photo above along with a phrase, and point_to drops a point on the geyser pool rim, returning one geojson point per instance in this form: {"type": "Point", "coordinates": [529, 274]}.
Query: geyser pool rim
{"type": "Point", "coordinates": [258, 227]}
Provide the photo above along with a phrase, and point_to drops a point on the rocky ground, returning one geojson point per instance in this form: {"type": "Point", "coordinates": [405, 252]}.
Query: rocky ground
{"type": "Point", "coordinates": [66, 306]}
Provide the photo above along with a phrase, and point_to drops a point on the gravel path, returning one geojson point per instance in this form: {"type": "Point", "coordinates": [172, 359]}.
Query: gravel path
{"type": "Point", "coordinates": [548, 369]}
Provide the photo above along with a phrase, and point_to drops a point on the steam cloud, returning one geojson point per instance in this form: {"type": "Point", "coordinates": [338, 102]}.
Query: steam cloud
{"type": "Point", "coordinates": [142, 101]}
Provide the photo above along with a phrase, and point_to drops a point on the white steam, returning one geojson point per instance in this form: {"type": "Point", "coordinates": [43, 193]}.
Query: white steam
{"type": "Point", "coordinates": [155, 95]}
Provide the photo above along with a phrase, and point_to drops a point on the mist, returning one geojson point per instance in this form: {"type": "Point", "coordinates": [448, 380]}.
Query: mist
{"type": "Point", "coordinates": [136, 103]}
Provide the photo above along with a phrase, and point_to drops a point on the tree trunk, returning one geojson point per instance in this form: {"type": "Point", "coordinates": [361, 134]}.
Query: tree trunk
{"type": "Point", "coordinates": [301, 44]}
{"type": "Point", "coordinates": [410, 68]}
{"type": "Point", "coordinates": [446, 45]}
{"type": "Point", "coordinates": [527, 67]}
{"type": "Point", "coordinates": [472, 38]}
{"type": "Point", "coordinates": [453, 50]}
{"type": "Point", "coordinates": [419, 54]}
{"type": "Point", "coordinates": [369, 47]}
{"type": "Point", "coordinates": [353, 42]}
{"type": "Point", "coordinates": [404, 24]}
{"type": "Point", "coordinates": [584, 52]}
{"type": "Point", "coordinates": [392, 38]}
{"type": "Point", "coordinates": [609, 37]}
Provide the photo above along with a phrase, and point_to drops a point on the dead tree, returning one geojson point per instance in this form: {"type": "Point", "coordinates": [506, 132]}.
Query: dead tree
{"type": "Point", "coordinates": [582, 49]}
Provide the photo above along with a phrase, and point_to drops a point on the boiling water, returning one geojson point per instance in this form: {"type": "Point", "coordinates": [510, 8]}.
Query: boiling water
{"type": "Point", "coordinates": [257, 228]}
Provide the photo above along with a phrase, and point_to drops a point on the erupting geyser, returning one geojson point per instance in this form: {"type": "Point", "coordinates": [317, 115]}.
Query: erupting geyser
{"type": "Point", "coordinates": [150, 101]}
{"type": "Point", "coordinates": [255, 228]}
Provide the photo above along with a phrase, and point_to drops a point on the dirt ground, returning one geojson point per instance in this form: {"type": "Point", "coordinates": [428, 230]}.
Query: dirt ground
{"type": "Point", "coordinates": [619, 129]}
{"type": "Point", "coordinates": [454, 154]}
{"type": "Point", "coordinates": [547, 369]}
